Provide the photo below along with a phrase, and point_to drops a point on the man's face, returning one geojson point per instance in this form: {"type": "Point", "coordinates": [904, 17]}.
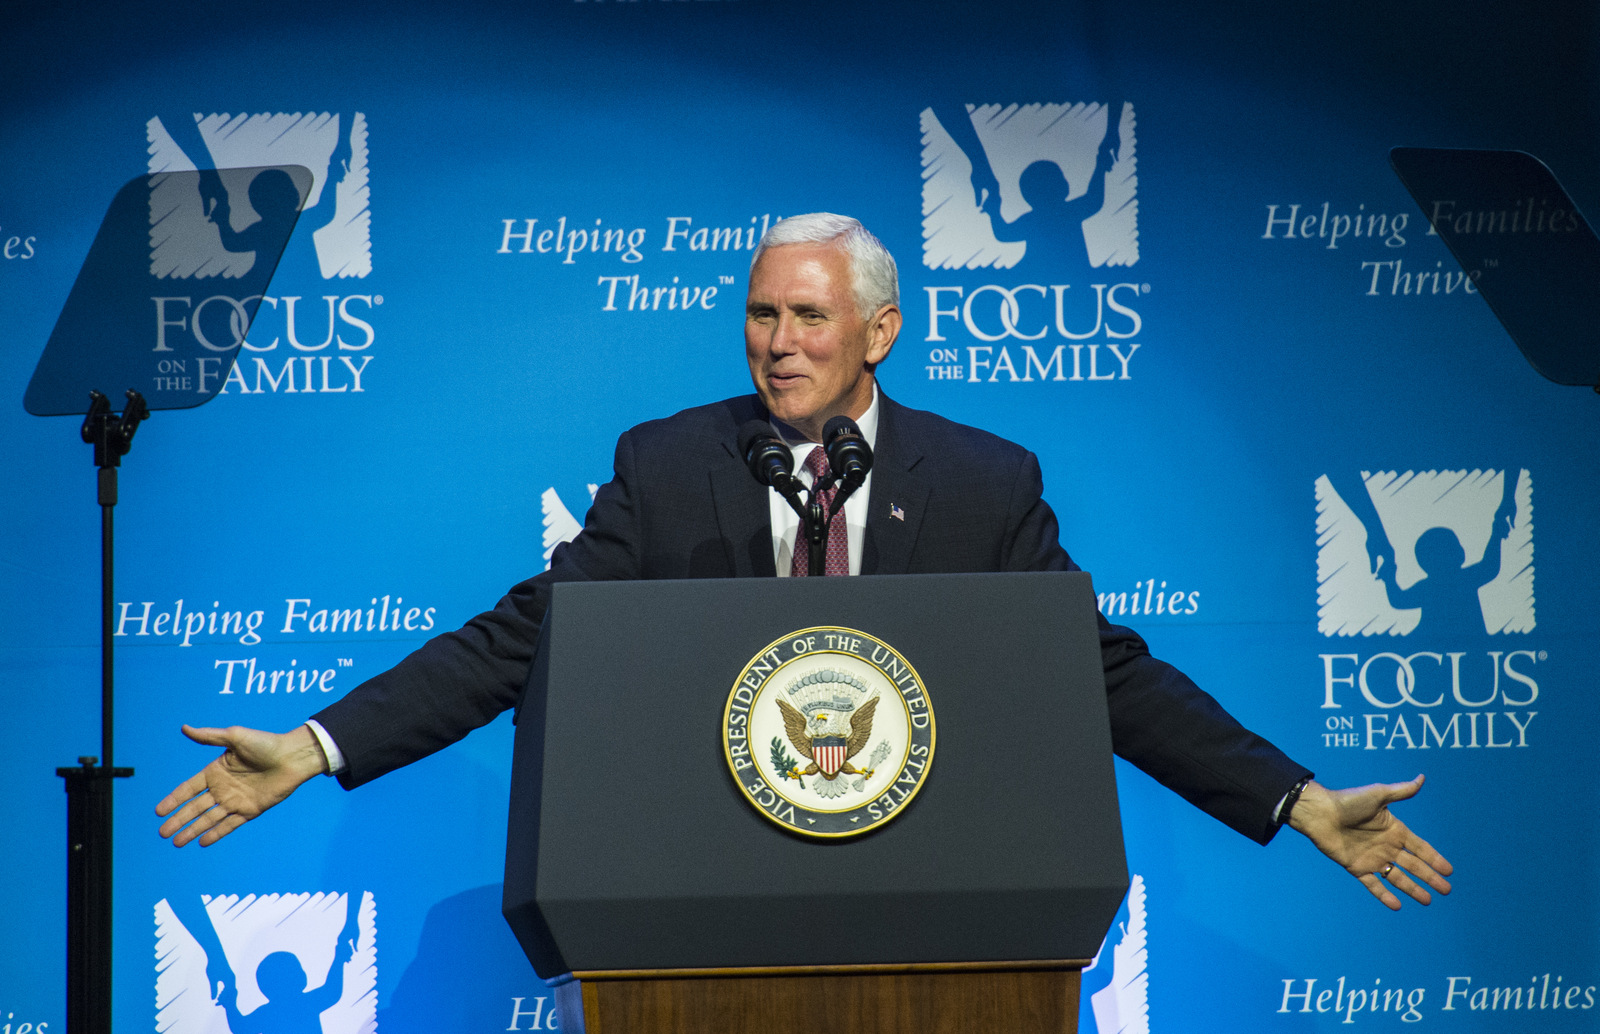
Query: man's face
{"type": "Point", "coordinates": [806, 341]}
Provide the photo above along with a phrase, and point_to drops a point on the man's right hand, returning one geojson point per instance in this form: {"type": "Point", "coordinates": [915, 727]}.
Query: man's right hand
{"type": "Point", "coordinates": [256, 770]}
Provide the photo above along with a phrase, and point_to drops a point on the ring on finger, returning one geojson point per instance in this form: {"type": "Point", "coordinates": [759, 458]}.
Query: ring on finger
{"type": "Point", "coordinates": [1383, 873]}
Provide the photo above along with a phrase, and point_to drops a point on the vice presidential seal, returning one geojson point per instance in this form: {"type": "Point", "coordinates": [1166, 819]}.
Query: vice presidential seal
{"type": "Point", "coordinates": [829, 732]}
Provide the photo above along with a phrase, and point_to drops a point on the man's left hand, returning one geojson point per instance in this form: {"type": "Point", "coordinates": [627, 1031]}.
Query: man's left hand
{"type": "Point", "coordinates": [1356, 829]}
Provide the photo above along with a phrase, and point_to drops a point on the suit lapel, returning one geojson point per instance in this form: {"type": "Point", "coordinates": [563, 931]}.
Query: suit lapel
{"type": "Point", "coordinates": [743, 516]}
{"type": "Point", "coordinates": [899, 495]}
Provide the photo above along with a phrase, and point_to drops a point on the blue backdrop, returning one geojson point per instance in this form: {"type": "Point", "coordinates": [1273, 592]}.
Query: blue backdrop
{"type": "Point", "coordinates": [531, 230]}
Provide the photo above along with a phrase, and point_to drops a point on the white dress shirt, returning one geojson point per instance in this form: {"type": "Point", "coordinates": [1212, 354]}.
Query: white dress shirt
{"type": "Point", "coordinates": [786, 523]}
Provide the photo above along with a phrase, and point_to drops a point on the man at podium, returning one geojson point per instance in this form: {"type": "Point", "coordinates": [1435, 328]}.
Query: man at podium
{"type": "Point", "coordinates": [821, 315]}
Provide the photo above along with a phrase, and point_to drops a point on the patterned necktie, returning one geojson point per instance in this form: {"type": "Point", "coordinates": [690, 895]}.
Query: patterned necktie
{"type": "Point", "coordinates": [838, 555]}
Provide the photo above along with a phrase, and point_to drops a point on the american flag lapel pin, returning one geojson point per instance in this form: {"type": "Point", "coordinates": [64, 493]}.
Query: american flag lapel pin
{"type": "Point", "coordinates": [897, 513]}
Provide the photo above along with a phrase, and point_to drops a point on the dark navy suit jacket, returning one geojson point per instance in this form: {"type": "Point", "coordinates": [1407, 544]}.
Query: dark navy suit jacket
{"type": "Point", "coordinates": [971, 503]}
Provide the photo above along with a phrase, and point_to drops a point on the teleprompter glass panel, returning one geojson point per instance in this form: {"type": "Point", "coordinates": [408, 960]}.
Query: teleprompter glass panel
{"type": "Point", "coordinates": [1524, 245]}
{"type": "Point", "coordinates": [169, 289]}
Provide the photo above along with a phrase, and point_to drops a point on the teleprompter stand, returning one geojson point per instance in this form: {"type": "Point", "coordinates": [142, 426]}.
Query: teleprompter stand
{"type": "Point", "coordinates": [658, 900]}
{"type": "Point", "coordinates": [89, 785]}
{"type": "Point", "coordinates": [230, 223]}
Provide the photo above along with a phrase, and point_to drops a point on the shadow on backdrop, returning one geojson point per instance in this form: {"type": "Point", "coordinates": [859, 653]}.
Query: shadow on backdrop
{"type": "Point", "coordinates": [469, 974]}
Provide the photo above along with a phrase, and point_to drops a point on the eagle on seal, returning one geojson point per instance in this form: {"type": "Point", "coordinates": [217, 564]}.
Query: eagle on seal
{"type": "Point", "coordinates": [829, 738]}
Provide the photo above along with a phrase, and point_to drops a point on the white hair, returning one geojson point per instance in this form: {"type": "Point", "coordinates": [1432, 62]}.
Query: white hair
{"type": "Point", "coordinates": [874, 279]}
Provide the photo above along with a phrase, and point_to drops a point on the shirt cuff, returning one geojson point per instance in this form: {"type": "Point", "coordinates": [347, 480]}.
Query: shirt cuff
{"type": "Point", "coordinates": [330, 749]}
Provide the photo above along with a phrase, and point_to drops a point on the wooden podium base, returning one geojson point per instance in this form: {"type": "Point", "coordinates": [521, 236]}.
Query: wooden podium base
{"type": "Point", "coordinates": [945, 998]}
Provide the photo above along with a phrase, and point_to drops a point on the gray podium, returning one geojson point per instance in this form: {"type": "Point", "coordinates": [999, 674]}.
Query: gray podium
{"type": "Point", "coordinates": [643, 883]}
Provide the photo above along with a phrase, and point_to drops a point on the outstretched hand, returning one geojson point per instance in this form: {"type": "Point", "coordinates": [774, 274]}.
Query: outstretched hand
{"type": "Point", "coordinates": [1356, 829]}
{"type": "Point", "coordinates": [256, 770]}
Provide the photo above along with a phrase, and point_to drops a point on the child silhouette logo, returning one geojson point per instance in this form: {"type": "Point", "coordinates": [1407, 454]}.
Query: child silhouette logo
{"type": "Point", "coordinates": [1444, 552]}
{"type": "Point", "coordinates": [336, 201]}
{"type": "Point", "coordinates": [276, 964]}
{"type": "Point", "coordinates": [1051, 185]}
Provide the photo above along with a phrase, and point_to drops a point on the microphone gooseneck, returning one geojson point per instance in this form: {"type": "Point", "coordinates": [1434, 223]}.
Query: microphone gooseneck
{"type": "Point", "coordinates": [771, 463]}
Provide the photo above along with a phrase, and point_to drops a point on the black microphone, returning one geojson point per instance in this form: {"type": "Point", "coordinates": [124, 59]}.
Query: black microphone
{"type": "Point", "coordinates": [769, 460]}
{"type": "Point", "coordinates": [849, 455]}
